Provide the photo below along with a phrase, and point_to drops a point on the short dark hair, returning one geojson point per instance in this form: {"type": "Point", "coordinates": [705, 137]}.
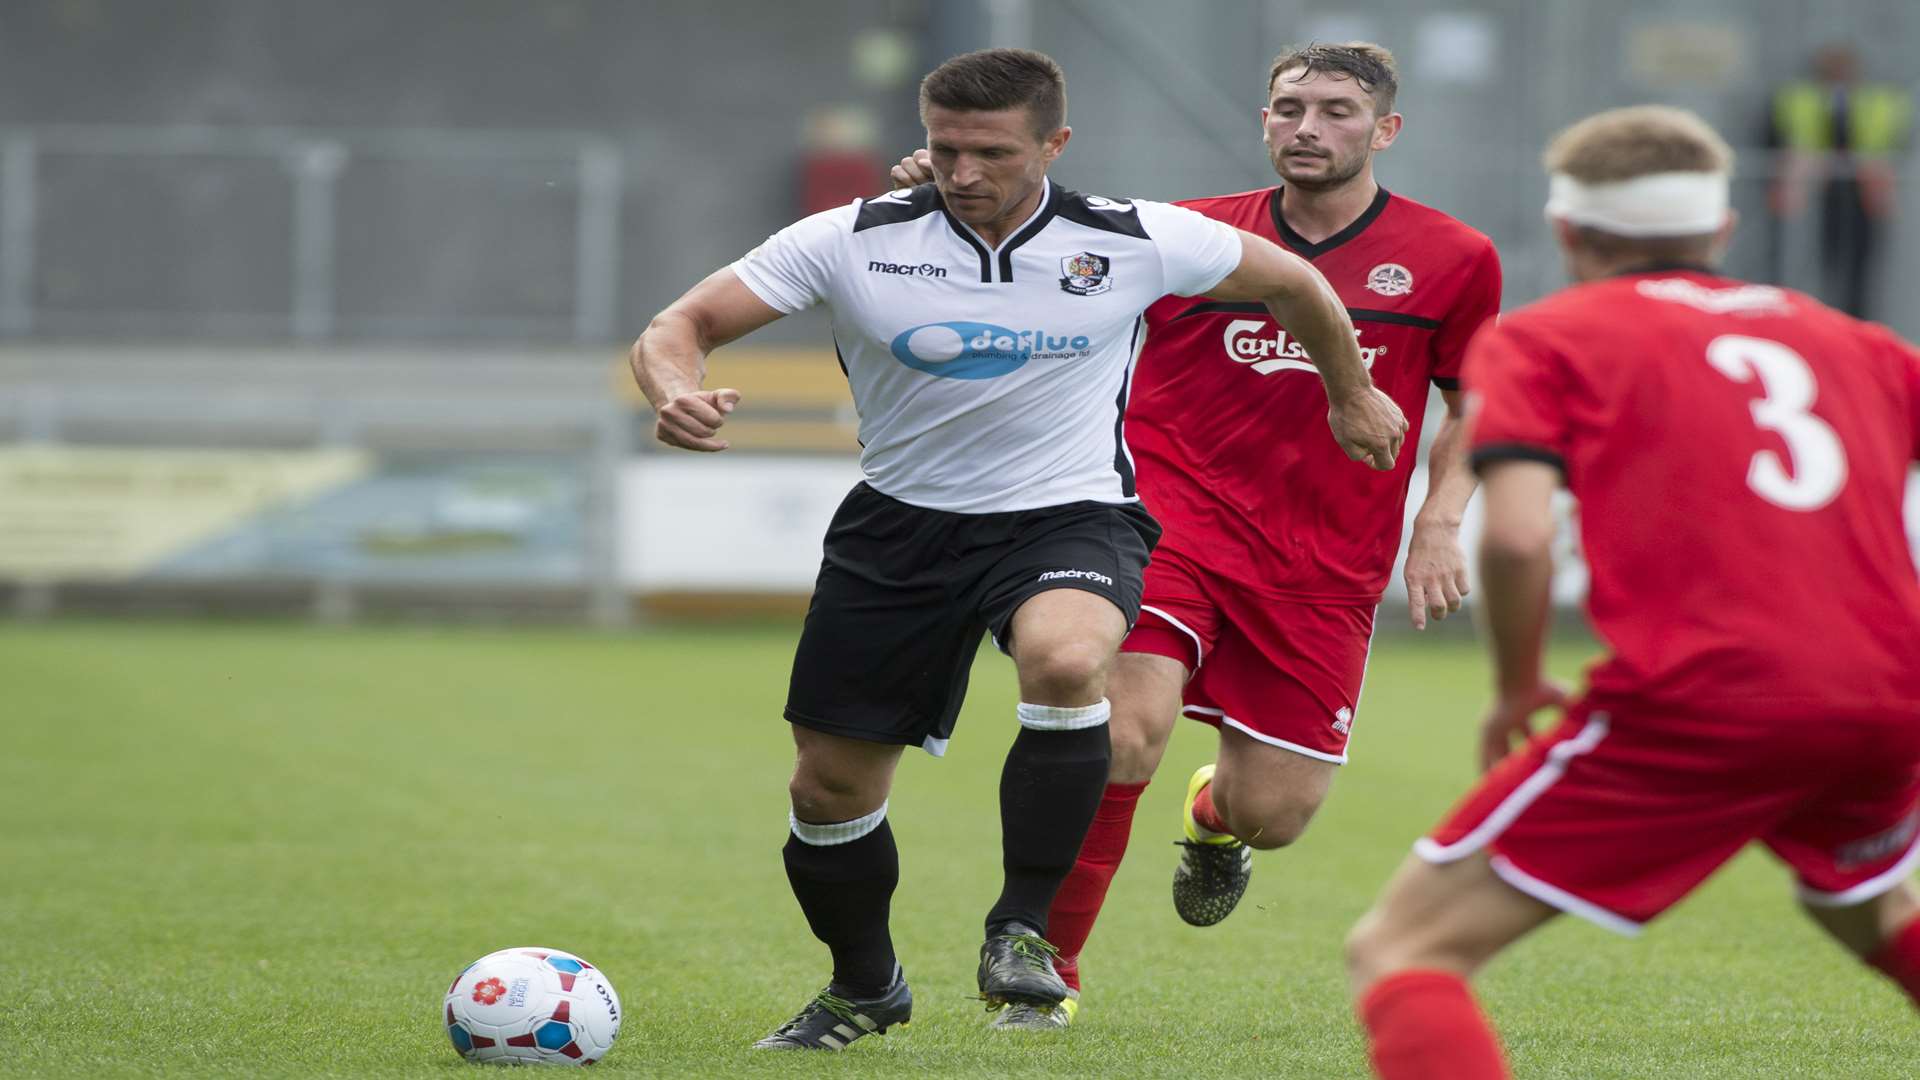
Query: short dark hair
{"type": "Point", "coordinates": [992, 80]}
{"type": "Point", "coordinates": [1364, 62]}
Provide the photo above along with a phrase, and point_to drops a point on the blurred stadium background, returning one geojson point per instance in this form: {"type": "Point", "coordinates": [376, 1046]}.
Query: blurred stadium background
{"type": "Point", "coordinates": [320, 309]}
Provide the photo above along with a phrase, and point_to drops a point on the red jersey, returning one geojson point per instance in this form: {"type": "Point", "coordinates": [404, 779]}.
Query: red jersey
{"type": "Point", "coordinates": [1740, 454]}
{"type": "Point", "coordinates": [1228, 419]}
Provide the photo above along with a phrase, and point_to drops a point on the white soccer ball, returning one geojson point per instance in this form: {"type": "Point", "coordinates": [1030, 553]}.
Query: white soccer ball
{"type": "Point", "coordinates": [532, 1006]}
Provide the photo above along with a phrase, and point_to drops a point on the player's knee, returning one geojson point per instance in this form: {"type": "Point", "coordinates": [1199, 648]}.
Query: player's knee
{"type": "Point", "coordinates": [1137, 748]}
{"type": "Point", "coordinates": [1383, 942]}
{"type": "Point", "coordinates": [1368, 950]}
{"type": "Point", "coordinates": [826, 795]}
{"type": "Point", "coordinates": [1064, 671]}
{"type": "Point", "coordinates": [1272, 822]}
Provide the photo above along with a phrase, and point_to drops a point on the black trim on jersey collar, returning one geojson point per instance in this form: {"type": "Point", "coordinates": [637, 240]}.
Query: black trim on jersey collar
{"type": "Point", "coordinates": [1031, 230]}
{"type": "Point", "coordinates": [1239, 307]}
{"type": "Point", "coordinates": [1301, 246]}
{"type": "Point", "coordinates": [1487, 455]}
{"type": "Point", "coordinates": [1667, 266]}
{"type": "Point", "coordinates": [986, 257]}
{"type": "Point", "coordinates": [896, 207]}
{"type": "Point", "coordinates": [1055, 194]}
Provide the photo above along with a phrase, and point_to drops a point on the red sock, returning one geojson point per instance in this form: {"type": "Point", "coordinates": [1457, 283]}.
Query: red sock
{"type": "Point", "coordinates": [1078, 902]}
{"type": "Point", "coordinates": [1899, 958]}
{"type": "Point", "coordinates": [1204, 814]}
{"type": "Point", "coordinates": [1425, 1025]}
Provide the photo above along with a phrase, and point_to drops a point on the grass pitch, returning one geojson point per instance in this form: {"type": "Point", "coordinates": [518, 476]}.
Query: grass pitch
{"type": "Point", "coordinates": [239, 850]}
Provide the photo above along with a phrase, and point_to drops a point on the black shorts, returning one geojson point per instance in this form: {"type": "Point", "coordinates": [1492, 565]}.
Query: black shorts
{"type": "Point", "coordinates": [904, 594]}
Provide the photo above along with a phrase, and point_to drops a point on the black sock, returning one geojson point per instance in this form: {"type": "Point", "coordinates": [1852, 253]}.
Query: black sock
{"type": "Point", "coordinates": [845, 890]}
{"type": "Point", "coordinates": [1049, 789]}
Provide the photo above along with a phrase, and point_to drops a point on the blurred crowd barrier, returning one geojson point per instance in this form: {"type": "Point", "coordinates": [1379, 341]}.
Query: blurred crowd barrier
{"type": "Point", "coordinates": [196, 233]}
{"type": "Point", "coordinates": [345, 484]}
{"type": "Point", "coordinates": [201, 426]}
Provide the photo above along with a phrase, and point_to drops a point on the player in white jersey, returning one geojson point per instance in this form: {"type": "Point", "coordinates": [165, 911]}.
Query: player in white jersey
{"type": "Point", "coordinates": [988, 324]}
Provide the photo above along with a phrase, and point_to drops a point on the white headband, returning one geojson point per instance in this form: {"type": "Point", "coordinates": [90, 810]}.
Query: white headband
{"type": "Point", "coordinates": [1658, 204]}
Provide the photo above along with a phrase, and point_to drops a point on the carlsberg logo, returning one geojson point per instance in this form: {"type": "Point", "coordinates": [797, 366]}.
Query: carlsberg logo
{"type": "Point", "coordinates": [1268, 348]}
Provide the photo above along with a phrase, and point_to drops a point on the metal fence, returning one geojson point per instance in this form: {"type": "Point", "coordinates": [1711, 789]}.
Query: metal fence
{"type": "Point", "coordinates": [309, 235]}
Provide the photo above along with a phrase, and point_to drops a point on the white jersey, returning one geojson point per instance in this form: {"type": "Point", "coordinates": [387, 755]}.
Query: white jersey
{"type": "Point", "coordinates": [991, 379]}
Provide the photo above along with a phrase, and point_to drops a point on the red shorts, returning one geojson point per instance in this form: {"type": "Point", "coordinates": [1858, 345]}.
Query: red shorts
{"type": "Point", "coordinates": [1621, 810]}
{"type": "Point", "coordinates": [1284, 672]}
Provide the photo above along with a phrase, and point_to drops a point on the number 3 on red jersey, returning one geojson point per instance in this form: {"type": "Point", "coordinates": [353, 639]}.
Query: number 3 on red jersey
{"type": "Point", "coordinates": [1818, 462]}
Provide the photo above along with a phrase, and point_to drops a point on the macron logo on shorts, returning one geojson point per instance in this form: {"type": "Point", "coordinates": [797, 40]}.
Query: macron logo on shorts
{"type": "Point", "coordinates": [1089, 575]}
{"type": "Point", "coordinates": [1877, 848]}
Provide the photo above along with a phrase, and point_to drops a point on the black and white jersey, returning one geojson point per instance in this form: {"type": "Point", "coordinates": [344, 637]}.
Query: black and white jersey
{"type": "Point", "coordinates": [991, 379]}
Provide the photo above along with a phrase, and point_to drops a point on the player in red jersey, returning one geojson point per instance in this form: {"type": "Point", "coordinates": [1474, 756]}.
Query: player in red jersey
{"type": "Point", "coordinates": [1260, 598]}
{"type": "Point", "coordinates": [1739, 453]}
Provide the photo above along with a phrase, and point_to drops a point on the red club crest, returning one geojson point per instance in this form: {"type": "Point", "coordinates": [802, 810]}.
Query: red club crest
{"type": "Point", "coordinates": [488, 991]}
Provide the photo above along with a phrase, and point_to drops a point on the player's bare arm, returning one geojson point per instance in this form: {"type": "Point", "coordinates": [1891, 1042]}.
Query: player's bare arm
{"type": "Point", "coordinates": [1365, 421]}
{"type": "Point", "coordinates": [669, 359]}
{"type": "Point", "coordinates": [1436, 571]}
{"type": "Point", "coordinates": [1516, 573]}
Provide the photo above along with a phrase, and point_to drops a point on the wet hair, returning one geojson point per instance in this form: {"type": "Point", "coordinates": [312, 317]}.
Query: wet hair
{"type": "Point", "coordinates": [1369, 65]}
{"type": "Point", "coordinates": [993, 80]}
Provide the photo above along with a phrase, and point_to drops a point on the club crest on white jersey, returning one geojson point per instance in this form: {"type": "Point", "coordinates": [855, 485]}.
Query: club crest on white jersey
{"type": "Point", "coordinates": [1086, 274]}
{"type": "Point", "coordinates": [991, 377]}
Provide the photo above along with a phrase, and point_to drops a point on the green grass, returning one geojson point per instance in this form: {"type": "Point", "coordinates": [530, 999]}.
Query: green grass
{"type": "Point", "coordinates": [239, 850]}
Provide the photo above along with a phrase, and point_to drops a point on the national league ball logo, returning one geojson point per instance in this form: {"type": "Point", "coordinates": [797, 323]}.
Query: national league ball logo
{"type": "Point", "coordinates": [1086, 274]}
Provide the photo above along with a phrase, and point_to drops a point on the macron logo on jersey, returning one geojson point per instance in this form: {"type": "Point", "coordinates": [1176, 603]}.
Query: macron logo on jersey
{"type": "Point", "coordinates": [1087, 575]}
{"type": "Point", "coordinates": [1268, 348]}
{"type": "Point", "coordinates": [874, 266]}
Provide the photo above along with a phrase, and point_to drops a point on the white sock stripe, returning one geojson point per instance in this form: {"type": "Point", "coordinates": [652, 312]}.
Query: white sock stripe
{"type": "Point", "coordinates": [838, 832]}
{"type": "Point", "coordinates": [1064, 718]}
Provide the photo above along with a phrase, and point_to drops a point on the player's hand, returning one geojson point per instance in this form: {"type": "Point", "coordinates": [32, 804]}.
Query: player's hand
{"type": "Point", "coordinates": [1436, 573]}
{"type": "Point", "coordinates": [1369, 427]}
{"type": "Point", "coordinates": [690, 421]}
{"type": "Point", "coordinates": [1508, 721]}
{"type": "Point", "coordinates": [914, 169]}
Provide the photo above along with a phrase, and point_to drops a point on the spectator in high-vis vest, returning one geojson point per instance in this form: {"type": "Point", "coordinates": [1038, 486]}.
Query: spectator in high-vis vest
{"type": "Point", "coordinates": [1839, 135]}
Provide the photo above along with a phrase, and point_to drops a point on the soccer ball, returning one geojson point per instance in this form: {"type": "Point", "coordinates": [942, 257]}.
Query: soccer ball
{"type": "Point", "coordinates": [532, 1006]}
